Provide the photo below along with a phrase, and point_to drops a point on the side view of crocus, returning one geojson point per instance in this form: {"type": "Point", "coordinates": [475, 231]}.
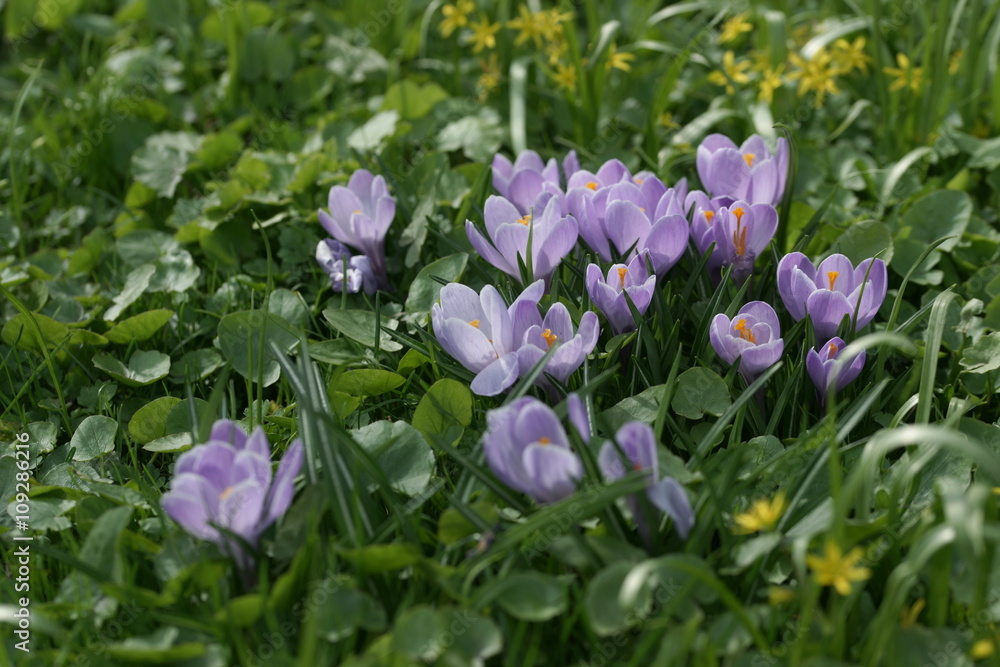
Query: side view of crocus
{"type": "Point", "coordinates": [226, 483]}
{"type": "Point", "coordinates": [638, 444]}
{"type": "Point", "coordinates": [753, 337]}
{"type": "Point", "coordinates": [832, 291]}
{"type": "Point", "coordinates": [553, 234]}
{"type": "Point", "coordinates": [527, 448]}
{"type": "Point", "coordinates": [348, 273]}
{"type": "Point", "coordinates": [741, 231]}
{"type": "Point", "coordinates": [522, 181]}
{"type": "Point", "coordinates": [483, 333]}
{"type": "Point", "coordinates": [703, 212]}
{"type": "Point", "coordinates": [633, 231]}
{"type": "Point", "coordinates": [749, 172]}
{"type": "Point", "coordinates": [572, 346]}
{"type": "Point", "coordinates": [359, 216]}
{"type": "Point", "coordinates": [609, 293]}
{"type": "Point", "coordinates": [820, 366]}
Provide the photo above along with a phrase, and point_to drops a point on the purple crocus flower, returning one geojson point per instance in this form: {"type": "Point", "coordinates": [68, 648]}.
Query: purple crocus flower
{"type": "Point", "coordinates": [741, 231]}
{"type": "Point", "coordinates": [611, 172]}
{"type": "Point", "coordinates": [638, 443]}
{"type": "Point", "coordinates": [553, 235]}
{"type": "Point", "coordinates": [570, 165]}
{"type": "Point", "coordinates": [577, 410]}
{"type": "Point", "coordinates": [703, 212]}
{"type": "Point", "coordinates": [749, 172]}
{"type": "Point", "coordinates": [608, 293]}
{"type": "Point", "coordinates": [633, 231]}
{"type": "Point", "coordinates": [527, 448]}
{"type": "Point", "coordinates": [227, 483]}
{"type": "Point", "coordinates": [359, 216]}
{"type": "Point", "coordinates": [753, 337]}
{"type": "Point", "coordinates": [523, 181]}
{"type": "Point", "coordinates": [831, 291]}
{"type": "Point", "coordinates": [572, 346]}
{"type": "Point", "coordinates": [820, 366]}
{"type": "Point", "coordinates": [350, 276]}
{"type": "Point", "coordinates": [483, 334]}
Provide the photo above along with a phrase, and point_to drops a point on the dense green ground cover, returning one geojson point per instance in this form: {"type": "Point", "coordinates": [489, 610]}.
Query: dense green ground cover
{"type": "Point", "coordinates": [162, 167]}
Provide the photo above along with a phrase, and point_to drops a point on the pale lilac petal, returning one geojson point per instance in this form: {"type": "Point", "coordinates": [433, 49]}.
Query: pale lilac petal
{"type": "Point", "coordinates": [497, 377]}
{"type": "Point", "coordinates": [669, 496]}
{"type": "Point", "coordinates": [552, 471]}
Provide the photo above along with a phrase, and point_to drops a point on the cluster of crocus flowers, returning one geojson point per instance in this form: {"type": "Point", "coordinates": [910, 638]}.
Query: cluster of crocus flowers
{"type": "Point", "coordinates": [753, 337]}
{"type": "Point", "coordinates": [223, 490]}
{"type": "Point", "coordinates": [360, 215]}
{"type": "Point", "coordinates": [749, 172]}
{"type": "Point", "coordinates": [347, 272]}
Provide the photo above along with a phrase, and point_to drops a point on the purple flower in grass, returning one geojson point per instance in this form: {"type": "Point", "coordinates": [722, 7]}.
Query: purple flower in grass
{"type": "Point", "coordinates": [359, 216]}
{"type": "Point", "coordinates": [703, 212]}
{"type": "Point", "coordinates": [227, 483]}
{"type": "Point", "coordinates": [820, 366]}
{"type": "Point", "coordinates": [638, 444]}
{"type": "Point", "coordinates": [522, 181]}
{"type": "Point", "coordinates": [753, 337]}
{"type": "Point", "coordinates": [553, 235]}
{"type": "Point", "coordinates": [350, 276]}
{"type": "Point", "coordinates": [483, 333]}
{"type": "Point", "coordinates": [740, 231]}
{"type": "Point", "coordinates": [633, 232]}
{"type": "Point", "coordinates": [527, 448]}
{"type": "Point", "coordinates": [749, 172]}
{"type": "Point", "coordinates": [577, 410]}
{"type": "Point", "coordinates": [608, 293]}
{"type": "Point", "coordinates": [556, 330]}
{"type": "Point", "coordinates": [831, 291]}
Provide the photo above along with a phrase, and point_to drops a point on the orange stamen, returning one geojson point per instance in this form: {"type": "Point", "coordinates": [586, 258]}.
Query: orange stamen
{"type": "Point", "coordinates": [225, 494]}
{"type": "Point", "coordinates": [621, 275]}
{"type": "Point", "coordinates": [474, 323]}
{"type": "Point", "coordinates": [638, 181]}
{"type": "Point", "coordinates": [543, 440]}
{"type": "Point", "coordinates": [740, 235]}
{"type": "Point", "coordinates": [592, 185]}
{"type": "Point", "coordinates": [833, 350]}
{"type": "Point", "coordinates": [357, 210]}
{"type": "Point", "coordinates": [525, 220]}
{"type": "Point", "coordinates": [832, 277]}
{"type": "Point", "coordinates": [745, 334]}
{"type": "Point", "coordinates": [748, 158]}
{"type": "Point", "coordinates": [709, 215]}
{"type": "Point", "coordinates": [549, 337]}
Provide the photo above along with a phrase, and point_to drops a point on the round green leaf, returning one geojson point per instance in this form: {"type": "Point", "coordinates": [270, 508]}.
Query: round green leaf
{"type": "Point", "coordinates": [532, 596]}
{"type": "Point", "coordinates": [244, 338]}
{"type": "Point", "coordinates": [401, 452]}
{"type": "Point", "coordinates": [865, 239]}
{"type": "Point", "coordinates": [360, 325]}
{"type": "Point", "coordinates": [150, 421]}
{"type": "Point", "coordinates": [179, 418]}
{"type": "Point", "coordinates": [424, 289]}
{"type": "Point", "coordinates": [700, 391]}
{"type": "Point", "coordinates": [346, 610]}
{"type": "Point", "coordinates": [144, 367]}
{"type": "Point", "coordinates": [367, 382]}
{"type": "Point", "coordinates": [94, 436]}
{"type": "Point", "coordinates": [447, 403]}
{"type": "Point", "coordinates": [140, 327]}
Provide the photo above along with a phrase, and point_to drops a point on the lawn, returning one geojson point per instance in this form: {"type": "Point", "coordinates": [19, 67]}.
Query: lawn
{"type": "Point", "coordinates": [500, 333]}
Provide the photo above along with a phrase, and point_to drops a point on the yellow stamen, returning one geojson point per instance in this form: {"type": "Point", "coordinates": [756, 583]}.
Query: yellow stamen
{"type": "Point", "coordinates": [709, 215]}
{"type": "Point", "coordinates": [745, 334]}
{"type": "Point", "coordinates": [549, 337]}
{"type": "Point", "coordinates": [738, 212]}
{"type": "Point", "coordinates": [225, 494]}
{"type": "Point", "coordinates": [543, 440]}
{"type": "Point", "coordinates": [642, 209]}
{"type": "Point", "coordinates": [592, 185]}
{"type": "Point", "coordinates": [748, 158]}
{"type": "Point", "coordinates": [474, 323]}
{"type": "Point", "coordinates": [357, 210]}
{"type": "Point", "coordinates": [621, 275]}
{"type": "Point", "coordinates": [525, 220]}
{"type": "Point", "coordinates": [833, 350]}
{"type": "Point", "coordinates": [832, 277]}
{"type": "Point", "coordinates": [638, 181]}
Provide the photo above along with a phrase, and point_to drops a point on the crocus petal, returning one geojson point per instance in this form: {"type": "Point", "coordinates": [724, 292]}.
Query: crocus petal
{"type": "Point", "coordinates": [461, 301]}
{"type": "Point", "coordinates": [728, 174]}
{"type": "Point", "coordinates": [559, 322]}
{"type": "Point", "coordinates": [827, 310]}
{"type": "Point", "coordinates": [497, 377]}
{"type": "Point", "coordinates": [552, 472]}
{"type": "Point", "coordinates": [577, 409]}
{"type": "Point", "coordinates": [226, 430]}
{"type": "Point", "coordinates": [758, 358]}
{"type": "Point", "coordinates": [279, 498]}
{"type": "Point", "coordinates": [240, 509]}
{"type": "Point", "coordinates": [538, 423]}
{"type": "Point", "coordinates": [465, 343]}
{"type": "Point", "coordinates": [669, 496]}
{"type": "Point", "coordinates": [486, 249]}
{"type": "Point", "coordinates": [667, 241]}
{"type": "Point", "coordinates": [627, 226]}
{"type": "Point", "coordinates": [550, 250]}
{"type": "Point", "coordinates": [761, 311]}
{"type": "Point", "coordinates": [765, 224]}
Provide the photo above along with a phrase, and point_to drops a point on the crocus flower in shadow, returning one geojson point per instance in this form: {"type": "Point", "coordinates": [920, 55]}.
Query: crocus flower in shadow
{"type": "Point", "coordinates": [749, 172]}
{"type": "Point", "coordinates": [638, 444]}
{"type": "Point", "coordinates": [553, 234]}
{"type": "Point", "coordinates": [753, 337]}
{"type": "Point", "coordinates": [831, 291]}
{"type": "Point", "coordinates": [820, 366]}
{"type": "Point", "coordinates": [483, 333]}
{"type": "Point", "coordinates": [527, 448]}
{"type": "Point", "coordinates": [347, 272]}
{"type": "Point", "coordinates": [608, 293]}
{"type": "Point", "coordinates": [226, 483]}
{"type": "Point", "coordinates": [359, 216]}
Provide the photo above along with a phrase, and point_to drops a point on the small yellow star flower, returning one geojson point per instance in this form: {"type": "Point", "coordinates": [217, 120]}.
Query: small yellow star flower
{"type": "Point", "coordinates": [566, 76]}
{"type": "Point", "coordinates": [667, 121]}
{"type": "Point", "coordinates": [619, 60]}
{"type": "Point", "coordinates": [530, 26]}
{"type": "Point", "coordinates": [982, 649]}
{"type": "Point", "coordinates": [556, 49]}
{"type": "Point", "coordinates": [489, 80]}
{"type": "Point", "coordinates": [908, 616]}
{"type": "Point", "coordinates": [849, 56]}
{"type": "Point", "coordinates": [551, 23]}
{"type": "Point", "coordinates": [456, 16]}
{"type": "Point", "coordinates": [484, 35]}
{"type": "Point", "coordinates": [734, 27]}
{"type": "Point", "coordinates": [762, 515]}
{"type": "Point", "coordinates": [837, 569]}
{"type": "Point", "coordinates": [761, 61]}
{"type": "Point", "coordinates": [906, 75]}
{"type": "Point", "coordinates": [770, 82]}
{"type": "Point", "coordinates": [736, 72]}
{"type": "Point", "coordinates": [815, 75]}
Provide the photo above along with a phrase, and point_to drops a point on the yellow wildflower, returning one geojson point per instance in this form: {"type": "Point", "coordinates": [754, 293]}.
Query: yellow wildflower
{"type": "Point", "coordinates": [908, 616]}
{"type": "Point", "coordinates": [761, 61]}
{"type": "Point", "coordinates": [736, 72]}
{"type": "Point", "coordinates": [489, 80]}
{"type": "Point", "coordinates": [551, 23]}
{"type": "Point", "coordinates": [814, 75]}
{"type": "Point", "coordinates": [770, 82]}
{"type": "Point", "coordinates": [555, 49]}
{"type": "Point", "coordinates": [734, 27]}
{"type": "Point", "coordinates": [955, 61]}
{"type": "Point", "coordinates": [837, 569]}
{"type": "Point", "coordinates": [906, 75]}
{"type": "Point", "coordinates": [566, 76]}
{"type": "Point", "coordinates": [779, 595]}
{"type": "Point", "coordinates": [619, 60]}
{"type": "Point", "coordinates": [762, 515]}
{"type": "Point", "coordinates": [849, 56]}
{"type": "Point", "coordinates": [456, 16]}
{"type": "Point", "coordinates": [484, 35]}
{"type": "Point", "coordinates": [982, 649]}
{"type": "Point", "coordinates": [531, 26]}
{"type": "Point", "coordinates": [667, 121]}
